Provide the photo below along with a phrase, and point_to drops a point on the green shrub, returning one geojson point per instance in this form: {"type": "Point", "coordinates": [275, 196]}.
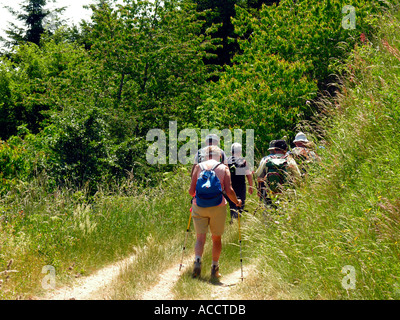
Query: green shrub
{"type": "Point", "coordinates": [20, 160]}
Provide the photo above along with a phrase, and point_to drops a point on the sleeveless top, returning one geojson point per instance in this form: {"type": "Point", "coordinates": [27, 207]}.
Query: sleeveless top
{"type": "Point", "coordinates": [220, 172]}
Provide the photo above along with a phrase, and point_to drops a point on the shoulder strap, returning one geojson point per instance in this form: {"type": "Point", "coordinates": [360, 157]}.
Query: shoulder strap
{"type": "Point", "coordinates": [216, 165]}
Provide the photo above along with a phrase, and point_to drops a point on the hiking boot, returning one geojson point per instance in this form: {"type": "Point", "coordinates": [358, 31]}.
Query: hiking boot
{"type": "Point", "coordinates": [215, 272]}
{"type": "Point", "coordinates": [196, 269]}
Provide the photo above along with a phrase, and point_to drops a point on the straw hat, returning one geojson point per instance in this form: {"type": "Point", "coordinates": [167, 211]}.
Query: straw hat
{"type": "Point", "coordinates": [300, 137]}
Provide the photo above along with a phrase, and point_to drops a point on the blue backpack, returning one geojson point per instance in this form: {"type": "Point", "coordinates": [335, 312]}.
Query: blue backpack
{"type": "Point", "coordinates": [208, 188]}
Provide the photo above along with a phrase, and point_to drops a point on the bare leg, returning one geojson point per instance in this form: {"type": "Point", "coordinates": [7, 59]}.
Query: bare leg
{"type": "Point", "coordinates": [200, 242]}
{"type": "Point", "coordinates": [198, 251]}
{"type": "Point", "coordinates": [216, 248]}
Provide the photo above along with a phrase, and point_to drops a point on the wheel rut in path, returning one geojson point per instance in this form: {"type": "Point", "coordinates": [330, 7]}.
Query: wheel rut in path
{"type": "Point", "coordinates": [93, 287]}
{"type": "Point", "coordinates": [223, 289]}
{"type": "Point", "coordinates": [163, 289]}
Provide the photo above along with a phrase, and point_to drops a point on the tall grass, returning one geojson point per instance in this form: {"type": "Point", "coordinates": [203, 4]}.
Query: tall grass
{"type": "Point", "coordinates": [347, 212]}
{"type": "Point", "coordinates": [76, 233]}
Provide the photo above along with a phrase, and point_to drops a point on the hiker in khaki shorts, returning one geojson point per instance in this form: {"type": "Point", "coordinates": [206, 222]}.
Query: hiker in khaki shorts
{"type": "Point", "coordinates": [214, 216]}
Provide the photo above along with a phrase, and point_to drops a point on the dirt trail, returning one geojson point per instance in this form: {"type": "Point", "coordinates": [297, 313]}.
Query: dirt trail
{"type": "Point", "coordinates": [93, 287]}
{"type": "Point", "coordinates": [99, 285]}
{"type": "Point", "coordinates": [223, 291]}
{"type": "Point", "coordinates": [163, 289]}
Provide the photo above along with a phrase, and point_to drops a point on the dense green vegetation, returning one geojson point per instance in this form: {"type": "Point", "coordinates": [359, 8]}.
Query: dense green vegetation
{"type": "Point", "coordinates": [85, 102]}
{"type": "Point", "coordinates": [75, 108]}
{"type": "Point", "coordinates": [347, 212]}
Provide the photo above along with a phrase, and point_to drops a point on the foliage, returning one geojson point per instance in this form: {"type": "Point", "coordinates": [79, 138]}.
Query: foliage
{"type": "Point", "coordinates": [79, 144]}
{"type": "Point", "coordinates": [37, 21]}
{"type": "Point", "coordinates": [154, 58]}
{"type": "Point", "coordinates": [309, 32]}
{"type": "Point", "coordinates": [347, 212]}
{"type": "Point", "coordinates": [37, 80]}
{"type": "Point", "coordinates": [142, 67]}
{"type": "Point", "coordinates": [219, 14]}
{"type": "Point", "coordinates": [20, 159]}
{"type": "Point", "coordinates": [218, 22]}
{"type": "Point", "coordinates": [287, 56]}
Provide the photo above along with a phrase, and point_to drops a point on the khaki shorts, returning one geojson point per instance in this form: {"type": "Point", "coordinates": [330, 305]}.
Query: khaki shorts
{"type": "Point", "coordinates": [213, 216]}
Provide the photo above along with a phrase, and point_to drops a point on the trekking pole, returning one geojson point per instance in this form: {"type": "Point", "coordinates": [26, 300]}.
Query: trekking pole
{"type": "Point", "coordinates": [240, 245]}
{"type": "Point", "coordinates": [187, 232]}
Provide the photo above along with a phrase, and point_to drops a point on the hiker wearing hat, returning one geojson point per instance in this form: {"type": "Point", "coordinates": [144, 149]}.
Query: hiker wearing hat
{"type": "Point", "coordinates": [239, 172]}
{"type": "Point", "coordinates": [303, 153]}
{"type": "Point", "coordinates": [276, 169]}
{"type": "Point", "coordinates": [210, 180]}
{"type": "Point", "coordinates": [211, 140]}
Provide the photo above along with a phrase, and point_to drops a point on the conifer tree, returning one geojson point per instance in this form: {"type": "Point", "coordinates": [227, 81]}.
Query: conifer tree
{"type": "Point", "coordinates": [33, 15]}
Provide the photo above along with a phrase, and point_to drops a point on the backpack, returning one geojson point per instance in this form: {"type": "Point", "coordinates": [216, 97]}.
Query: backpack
{"type": "Point", "coordinates": [303, 157]}
{"type": "Point", "coordinates": [300, 154]}
{"type": "Point", "coordinates": [237, 168]}
{"type": "Point", "coordinates": [276, 172]}
{"type": "Point", "coordinates": [208, 188]}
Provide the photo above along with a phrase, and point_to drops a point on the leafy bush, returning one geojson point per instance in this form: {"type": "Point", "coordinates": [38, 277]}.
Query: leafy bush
{"type": "Point", "coordinates": [79, 144]}
{"type": "Point", "coordinates": [266, 94]}
{"type": "Point", "coordinates": [19, 160]}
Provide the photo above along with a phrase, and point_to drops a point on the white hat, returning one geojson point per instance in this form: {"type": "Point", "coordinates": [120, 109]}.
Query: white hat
{"type": "Point", "coordinates": [212, 139]}
{"type": "Point", "coordinates": [300, 137]}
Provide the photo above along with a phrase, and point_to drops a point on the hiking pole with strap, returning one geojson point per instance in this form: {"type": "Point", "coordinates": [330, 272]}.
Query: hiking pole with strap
{"type": "Point", "coordinates": [240, 245]}
{"type": "Point", "coordinates": [187, 232]}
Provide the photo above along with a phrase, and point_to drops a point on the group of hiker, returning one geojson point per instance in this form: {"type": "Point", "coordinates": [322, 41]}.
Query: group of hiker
{"type": "Point", "coordinates": [218, 181]}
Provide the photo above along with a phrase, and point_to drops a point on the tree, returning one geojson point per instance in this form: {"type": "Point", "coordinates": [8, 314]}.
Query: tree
{"type": "Point", "coordinates": [257, 4]}
{"type": "Point", "coordinates": [151, 54]}
{"type": "Point", "coordinates": [34, 16]}
{"type": "Point", "coordinates": [288, 53]}
{"type": "Point", "coordinates": [219, 13]}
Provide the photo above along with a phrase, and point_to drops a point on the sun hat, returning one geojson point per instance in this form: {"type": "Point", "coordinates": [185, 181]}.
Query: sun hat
{"type": "Point", "coordinates": [300, 137]}
{"type": "Point", "coordinates": [281, 144]}
{"type": "Point", "coordinates": [212, 139]}
{"type": "Point", "coordinates": [271, 145]}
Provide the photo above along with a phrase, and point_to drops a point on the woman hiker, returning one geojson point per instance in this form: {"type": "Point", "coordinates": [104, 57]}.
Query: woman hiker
{"type": "Point", "coordinates": [210, 211]}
